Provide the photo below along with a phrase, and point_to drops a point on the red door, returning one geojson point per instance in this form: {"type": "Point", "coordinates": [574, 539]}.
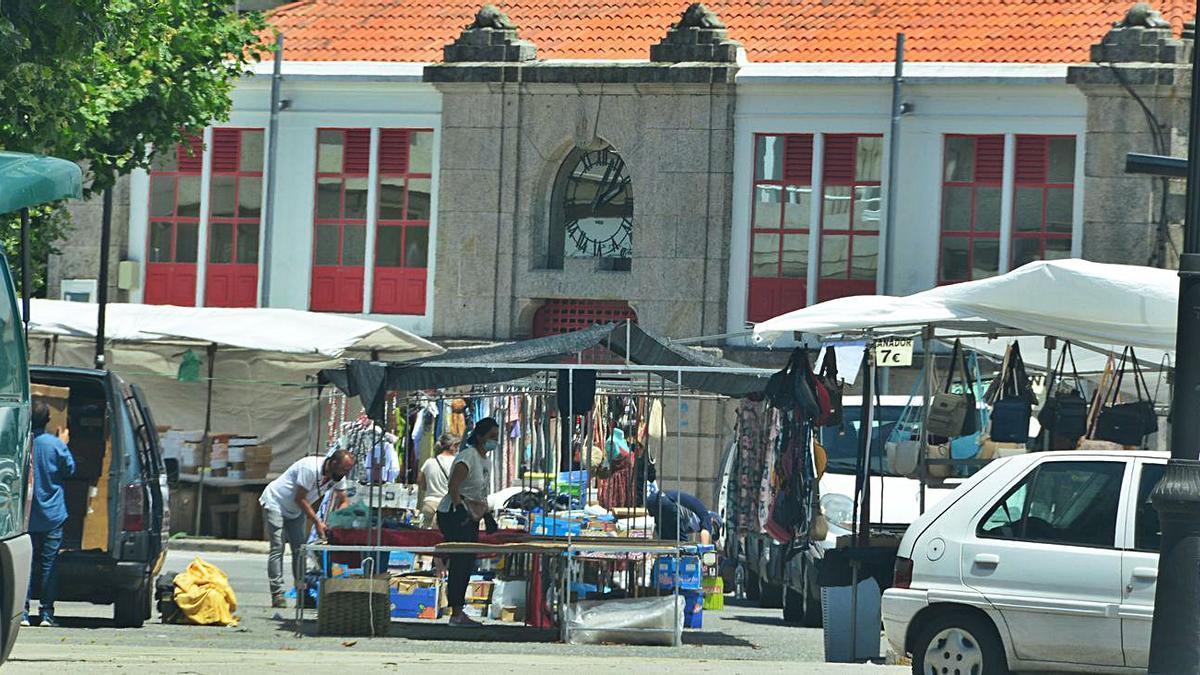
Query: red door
{"type": "Point", "coordinates": [173, 241]}
{"type": "Point", "coordinates": [171, 284]}
{"type": "Point", "coordinates": [231, 285]}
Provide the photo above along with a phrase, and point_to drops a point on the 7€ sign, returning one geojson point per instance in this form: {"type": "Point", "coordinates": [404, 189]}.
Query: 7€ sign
{"type": "Point", "coordinates": [893, 352]}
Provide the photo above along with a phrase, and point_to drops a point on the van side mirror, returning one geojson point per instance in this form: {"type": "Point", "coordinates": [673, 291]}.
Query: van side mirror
{"type": "Point", "coordinates": [171, 464]}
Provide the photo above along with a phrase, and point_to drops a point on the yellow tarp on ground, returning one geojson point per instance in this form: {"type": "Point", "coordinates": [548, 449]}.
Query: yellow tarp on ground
{"type": "Point", "coordinates": [204, 595]}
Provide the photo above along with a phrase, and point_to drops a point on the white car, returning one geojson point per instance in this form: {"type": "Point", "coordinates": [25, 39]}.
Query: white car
{"type": "Point", "coordinates": [1045, 561]}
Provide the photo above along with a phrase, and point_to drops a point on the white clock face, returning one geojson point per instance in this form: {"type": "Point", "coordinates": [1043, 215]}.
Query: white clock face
{"type": "Point", "coordinates": [598, 207]}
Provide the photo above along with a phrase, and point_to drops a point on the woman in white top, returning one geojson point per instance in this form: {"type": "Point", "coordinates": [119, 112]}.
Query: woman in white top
{"type": "Point", "coordinates": [434, 478]}
{"type": "Point", "coordinates": [464, 505]}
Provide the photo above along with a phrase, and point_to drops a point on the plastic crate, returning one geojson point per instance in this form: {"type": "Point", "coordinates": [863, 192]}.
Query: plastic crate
{"type": "Point", "coordinates": [693, 609]}
{"type": "Point", "coordinates": [688, 577]}
{"type": "Point", "coordinates": [555, 527]}
{"type": "Point", "coordinates": [421, 603]}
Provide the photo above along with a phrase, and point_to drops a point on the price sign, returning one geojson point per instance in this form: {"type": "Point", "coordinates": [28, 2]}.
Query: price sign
{"type": "Point", "coordinates": [893, 352]}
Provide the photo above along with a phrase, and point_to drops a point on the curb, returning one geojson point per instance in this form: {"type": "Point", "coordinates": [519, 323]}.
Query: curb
{"type": "Point", "coordinates": [197, 545]}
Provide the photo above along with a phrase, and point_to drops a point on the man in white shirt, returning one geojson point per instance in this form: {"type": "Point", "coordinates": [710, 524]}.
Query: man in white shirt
{"type": "Point", "coordinates": [288, 510]}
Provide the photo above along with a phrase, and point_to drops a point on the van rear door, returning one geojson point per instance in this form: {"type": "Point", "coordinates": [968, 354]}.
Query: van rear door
{"type": "Point", "coordinates": [154, 475]}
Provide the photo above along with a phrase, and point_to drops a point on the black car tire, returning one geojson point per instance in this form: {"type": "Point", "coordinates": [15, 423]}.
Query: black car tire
{"type": "Point", "coordinates": [803, 607]}
{"type": "Point", "coordinates": [967, 639]}
{"type": "Point", "coordinates": [132, 608]}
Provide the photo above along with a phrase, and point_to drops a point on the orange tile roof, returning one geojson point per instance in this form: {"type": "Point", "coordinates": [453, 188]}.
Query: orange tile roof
{"type": "Point", "coordinates": [983, 31]}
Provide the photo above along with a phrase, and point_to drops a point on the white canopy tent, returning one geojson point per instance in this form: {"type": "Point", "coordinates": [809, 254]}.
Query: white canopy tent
{"type": "Point", "coordinates": [260, 360]}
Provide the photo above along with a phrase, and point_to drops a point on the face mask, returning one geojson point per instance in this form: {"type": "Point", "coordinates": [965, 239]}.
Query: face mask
{"type": "Point", "coordinates": [489, 445]}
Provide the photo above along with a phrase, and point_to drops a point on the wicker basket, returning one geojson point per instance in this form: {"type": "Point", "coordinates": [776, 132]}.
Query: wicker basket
{"type": "Point", "coordinates": [354, 606]}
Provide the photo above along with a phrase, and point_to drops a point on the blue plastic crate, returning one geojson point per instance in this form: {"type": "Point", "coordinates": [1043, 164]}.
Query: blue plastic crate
{"type": "Point", "coordinates": [693, 609]}
{"type": "Point", "coordinates": [689, 576]}
{"type": "Point", "coordinates": [555, 527]}
{"type": "Point", "coordinates": [422, 603]}
{"type": "Point", "coordinates": [402, 560]}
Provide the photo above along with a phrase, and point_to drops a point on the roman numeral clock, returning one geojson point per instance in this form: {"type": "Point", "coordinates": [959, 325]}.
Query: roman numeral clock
{"type": "Point", "coordinates": [598, 207]}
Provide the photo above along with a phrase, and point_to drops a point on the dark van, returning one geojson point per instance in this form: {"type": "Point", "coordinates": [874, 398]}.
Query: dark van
{"type": "Point", "coordinates": [16, 550]}
{"type": "Point", "coordinates": [115, 537]}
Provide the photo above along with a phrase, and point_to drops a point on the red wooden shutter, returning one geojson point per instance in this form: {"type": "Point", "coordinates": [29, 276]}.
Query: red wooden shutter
{"type": "Point", "coordinates": [393, 151]}
{"type": "Point", "coordinates": [797, 159]}
{"type": "Point", "coordinates": [989, 159]}
{"type": "Point", "coordinates": [226, 150]}
{"type": "Point", "coordinates": [357, 152]}
{"type": "Point", "coordinates": [1032, 159]}
{"type": "Point", "coordinates": [190, 155]}
{"type": "Point", "coordinates": [839, 159]}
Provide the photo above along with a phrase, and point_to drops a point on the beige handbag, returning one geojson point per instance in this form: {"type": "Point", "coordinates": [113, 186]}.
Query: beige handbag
{"type": "Point", "coordinates": [939, 451]}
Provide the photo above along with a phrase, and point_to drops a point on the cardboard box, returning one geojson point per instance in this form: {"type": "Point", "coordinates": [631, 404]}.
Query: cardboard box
{"type": "Point", "coordinates": [416, 597]}
{"type": "Point", "coordinates": [511, 614]}
{"type": "Point", "coordinates": [58, 399]}
{"type": "Point", "coordinates": [480, 592]}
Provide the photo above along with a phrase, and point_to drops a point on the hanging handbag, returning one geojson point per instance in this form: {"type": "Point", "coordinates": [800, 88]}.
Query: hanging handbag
{"type": "Point", "coordinates": [1064, 416]}
{"type": "Point", "coordinates": [792, 387]}
{"type": "Point", "coordinates": [948, 412]}
{"type": "Point", "coordinates": [1014, 405]}
{"type": "Point", "coordinates": [828, 391]}
{"type": "Point", "coordinates": [1128, 423]}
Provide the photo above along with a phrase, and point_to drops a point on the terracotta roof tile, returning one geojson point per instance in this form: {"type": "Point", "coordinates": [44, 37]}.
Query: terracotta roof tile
{"type": "Point", "coordinates": [1017, 31]}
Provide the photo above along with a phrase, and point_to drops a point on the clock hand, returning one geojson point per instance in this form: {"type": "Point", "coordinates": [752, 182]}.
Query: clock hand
{"type": "Point", "coordinates": [611, 194]}
{"type": "Point", "coordinates": [605, 186]}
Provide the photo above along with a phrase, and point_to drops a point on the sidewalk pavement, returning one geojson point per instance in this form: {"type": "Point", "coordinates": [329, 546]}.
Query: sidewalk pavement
{"type": "Point", "coordinates": [210, 545]}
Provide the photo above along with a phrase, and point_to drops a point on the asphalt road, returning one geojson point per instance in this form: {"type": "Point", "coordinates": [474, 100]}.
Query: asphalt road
{"type": "Point", "coordinates": [737, 639]}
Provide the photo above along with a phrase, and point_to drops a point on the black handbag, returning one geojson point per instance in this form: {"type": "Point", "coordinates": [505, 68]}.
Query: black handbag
{"type": "Point", "coordinates": [1065, 414]}
{"type": "Point", "coordinates": [1128, 423]}
{"type": "Point", "coordinates": [952, 415]}
{"type": "Point", "coordinates": [827, 382]}
{"type": "Point", "coordinates": [792, 387]}
{"type": "Point", "coordinates": [1014, 405]}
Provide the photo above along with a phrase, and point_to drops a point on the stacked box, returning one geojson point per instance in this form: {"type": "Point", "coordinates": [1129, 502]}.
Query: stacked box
{"type": "Point", "coordinates": [693, 609]}
{"type": "Point", "coordinates": [688, 577]}
{"type": "Point", "coordinates": [257, 461]}
{"type": "Point", "coordinates": [415, 597]}
{"type": "Point", "coordinates": [480, 592]}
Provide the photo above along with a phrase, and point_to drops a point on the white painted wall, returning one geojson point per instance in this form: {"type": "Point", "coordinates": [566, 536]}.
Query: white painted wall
{"type": "Point", "coordinates": [317, 97]}
{"type": "Point", "coordinates": [850, 98]}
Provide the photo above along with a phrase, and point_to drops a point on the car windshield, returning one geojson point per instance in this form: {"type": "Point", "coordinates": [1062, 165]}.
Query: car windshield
{"type": "Point", "coordinates": [841, 442]}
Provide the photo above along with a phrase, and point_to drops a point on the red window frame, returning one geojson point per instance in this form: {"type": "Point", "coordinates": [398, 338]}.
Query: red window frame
{"type": "Point", "coordinates": [1032, 173]}
{"type": "Point", "coordinates": [987, 172]}
{"type": "Point", "coordinates": [778, 293]}
{"type": "Point", "coordinates": [172, 281]}
{"type": "Point", "coordinates": [400, 288]}
{"type": "Point", "coordinates": [338, 287]}
{"type": "Point", "coordinates": [839, 170]}
{"type": "Point", "coordinates": [233, 283]}
{"type": "Point", "coordinates": [559, 316]}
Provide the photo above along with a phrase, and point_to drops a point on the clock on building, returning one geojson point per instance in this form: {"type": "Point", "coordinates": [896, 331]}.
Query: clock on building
{"type": "Point", "coordinates": [597, 207]}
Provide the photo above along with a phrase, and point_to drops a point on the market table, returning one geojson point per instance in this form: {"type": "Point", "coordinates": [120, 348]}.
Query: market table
{"type": "Point", "coordinates": [231, 505]}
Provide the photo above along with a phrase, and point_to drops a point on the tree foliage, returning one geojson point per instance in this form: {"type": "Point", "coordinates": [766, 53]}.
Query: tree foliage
{"type": "Point", "coordinates": [48, 225]}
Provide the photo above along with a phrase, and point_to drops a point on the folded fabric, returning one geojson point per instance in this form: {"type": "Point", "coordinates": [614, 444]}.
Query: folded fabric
{"type": "Point", "coordinates": [204, 595]}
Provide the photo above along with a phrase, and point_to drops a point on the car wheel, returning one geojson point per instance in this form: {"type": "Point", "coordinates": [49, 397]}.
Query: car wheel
{"type": "Point", "coordinates": [958, 643]}
{"type": "Point", "coordinates": [132, 608]}
{"type": "Point", "coordinates": [770, 596]}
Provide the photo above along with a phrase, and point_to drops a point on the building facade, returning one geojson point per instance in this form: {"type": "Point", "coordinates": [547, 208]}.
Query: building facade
{"type": "Point", "coordinates": [690, 169]}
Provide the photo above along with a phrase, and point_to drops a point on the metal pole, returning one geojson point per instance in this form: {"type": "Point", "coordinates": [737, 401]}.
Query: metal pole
{"type": "Point", "coordinates": [102, 283]}
{"type": "Point", "coordinates": [269, 197]}
{"type": "Point", "coordinates": [898, 110]}
{"type": "Point", "coordinates": [1051, 344]}
{"type": "Point", "coordinates": [1175, 638]}
{"type": "Point", "coordinates": [26, 272]}
{"type": "Point", "coordinates": [206, 443]}
{"type": "Point", "coordinates": [927, 396]}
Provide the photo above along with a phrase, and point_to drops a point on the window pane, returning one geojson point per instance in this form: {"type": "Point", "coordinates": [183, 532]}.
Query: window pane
{"type": "Point", "coordinates": [326, 245]}
{"type": "Point", "coordinates": [1026, 250]}
{"type": "Point", "coordinates": [1004, 521]}
{"type": "Point", "coordinates": [187, 242]}
{"type": "Point", "coordinates": [835, 253]}
{"type": "Point", "coordinates": [1148, 531]}
{"type": "Point", "coordinates": [795, 256]}
{"type": "Point", "coordinates": [221, 196]}
{"type": "Point", "coordinates": [387, 246]}
{"type": "Point", "coordinates": [797, 210]}
{"type": "Point", "coordinates": [954, 259]}
{"type": "Point", "coordinates": [960, 159]}
{"type": "Point", "coordinates": [189, 196]}
{"type": "Point", "coordinates": [249, 197]}
{"type": "Point", "coordinates": [1059, 208]}
{"type": "Point", "coordinates": [329, 198]}
{"type": "Point", "coordinates": [1058, 249]}
{"type": "Point", "coordinates": [766, 206]}
{"type": "Point", "coordinates": [1074, 503]}
{"type": "Point", "coordinates": [354, 244]}
{"type": "Point", "coordinates": [419, 190]}
{"type": "Point", "coordinates": [162, 195]}
{"type": "Point", "coordinates": [867, 207]}
{"type": "Point", "coordinates": [956, 209]}
{"type": "Point", "coordinates": [1027, 210]}
{"type": "Point", "coordinates": [866, 258]}
{"type": "Point", "coordinates": [837, 208]}
{"type": "Point", "coordinates": [765, 260]}
{"type": "Point", "coordinates": [391, 198]}
{"type": "Point", "coordinates": [329, 152]}
{"type": "Point", "coordinates": [252, 151]}
{"type": "Point", "coordinates": [985, 258]}
{"type": "Point", "coordinates": [1062, 160]}
{"type": "Point", "coordinates": [160, 242]}
{"type": "Point", "coordinates": [420, 152]}
{"type": "Point", "coordinates": [247, 244]}
{"type": "Point", "coordinates": [416, 247]}
{"type": "Point", "coordinates": [870, 159]}
{"type": "Point", "coordinates": [987, 209]}
{"type": "Point", "coordinates": [356, 199]}
{"type": "Point", "coordinates": [220, 243]}
{"type": "Point", "coordinates": [769, 158]}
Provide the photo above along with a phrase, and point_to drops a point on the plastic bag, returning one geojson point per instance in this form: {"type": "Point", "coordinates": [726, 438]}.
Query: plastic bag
{"type": "Point", "coordinates": [623, 621]}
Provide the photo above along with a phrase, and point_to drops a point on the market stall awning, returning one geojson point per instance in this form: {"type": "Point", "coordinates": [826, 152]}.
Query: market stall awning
{"type": "Point", "coordinates": [28, 180]}
{"type": "Point", "coordinates": [372, 380]}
